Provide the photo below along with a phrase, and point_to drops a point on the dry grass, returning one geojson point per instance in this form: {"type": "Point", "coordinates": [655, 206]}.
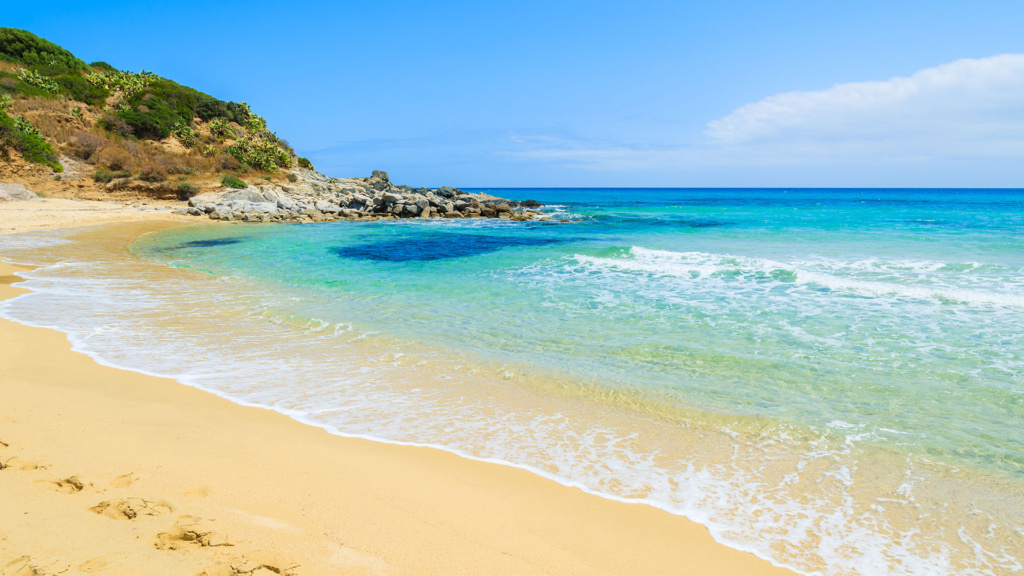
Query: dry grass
{"type": "Point", "coordinates": [11, 67]}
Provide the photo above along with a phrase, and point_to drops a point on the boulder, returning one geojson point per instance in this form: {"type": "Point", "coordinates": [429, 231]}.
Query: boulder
{"type": "Point", "coordinates": [285, 204]}
{"type": "Point", "coordinates": [391, 197]}
{"type": "Point", "coordinates": [251, 194]}
{"type": "Point", "coordinates": [264, 208]}
{"type": "Point", "coordinates": [14, 191]}
{"type": "Point", "coordinates": [204, 199]}
{"type": "Point", "coordinates": [380, 174]}
{"type": "Point", "coordinates": [326, 207]}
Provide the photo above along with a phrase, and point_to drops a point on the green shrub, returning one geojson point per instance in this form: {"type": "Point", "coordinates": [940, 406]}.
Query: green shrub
{"type": "Point", "coordinates": [150, 173]}
{"type": "Point", "coordinates": [292, 177]}
{"type": "Point", "coordinates": [154, 123]}
{"type": "Point", "coordinates": [305, 163]}
{"type": "Point", "coordinates": [186, 191]}
{"type": "Point", "coordinates": [78, 88]}
{"type": "Point", "coordinates": [102, 67]}
{"type": "Point", "coordinates": [18, 133]}
{"type": "Point", "coordinates": [184, 133]}
{"type": "Point", "coordinates": [32, 78]}
{"type": "Point", "coordinates": [27, 48]}
{"type": "Point", "coordinates": [261, 153]}
{"type": "Point", "coordinates": [229, 181]}
{"type": "Point", "coordinates": [103, 175]}
{"type": "Point", "coordinates": [127, 83]}
{"type": "Point", "coordinates": [12, 84]}
{"type": "Point", "coordinates": [220, 127]}
{"type": "Point", "coordinates": [5, 102]}
{"type": "Point", "coordinates": [255, 124]}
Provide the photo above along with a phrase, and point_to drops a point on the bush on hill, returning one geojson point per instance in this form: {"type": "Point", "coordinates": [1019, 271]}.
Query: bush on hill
{"type": "Point", "coordinates": [102, 67]}
{"type": "Point", "coordinates": [150, 173]}
{"type": "Point", "coordinates": [19, 134]}
{"type": "Point", "coordinates": [186, 191]}
{"type": "Point", "coordinates": [25, 47]}
{"type": "Point", "coordinates": [230, 181]}
{"type": "Point", "coordinates": [78, 88]}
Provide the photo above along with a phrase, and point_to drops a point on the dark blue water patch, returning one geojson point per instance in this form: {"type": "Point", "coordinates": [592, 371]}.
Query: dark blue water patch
{"type": "Point", "coordinates": [207, 243]}
{"type": "Point", "coordinates": [440, 247]}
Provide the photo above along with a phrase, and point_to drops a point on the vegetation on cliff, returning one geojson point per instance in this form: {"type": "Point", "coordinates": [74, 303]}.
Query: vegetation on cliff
{"type": "Point", "coordinates": [138, 123]}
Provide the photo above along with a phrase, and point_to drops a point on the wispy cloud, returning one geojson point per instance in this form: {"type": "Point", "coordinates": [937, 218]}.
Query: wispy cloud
{"type": "Point", "coordinates": [967, 109]}
{"type": "Point", "coordinates": [960, 103]}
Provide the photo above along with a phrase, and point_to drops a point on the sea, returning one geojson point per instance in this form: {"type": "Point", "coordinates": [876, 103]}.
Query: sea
{"type": "Point", "coordinates": [830, 379]}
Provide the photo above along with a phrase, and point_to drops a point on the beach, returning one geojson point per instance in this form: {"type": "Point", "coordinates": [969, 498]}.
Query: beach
{"type": "Point", "coordinates": [110, 471]}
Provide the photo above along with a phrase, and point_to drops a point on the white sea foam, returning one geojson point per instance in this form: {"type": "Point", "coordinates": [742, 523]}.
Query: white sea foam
{"type": "Point", "coordinates": [721, 267]}
{"type": "Point", "coordinates": [317, 372]}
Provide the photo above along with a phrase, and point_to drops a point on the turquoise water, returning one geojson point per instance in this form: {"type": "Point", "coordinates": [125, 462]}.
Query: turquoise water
{"type": "Point", "coordinates": [831, 379]}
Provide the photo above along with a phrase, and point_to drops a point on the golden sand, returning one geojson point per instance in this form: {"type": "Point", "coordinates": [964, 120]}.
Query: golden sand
{"type": "Point", "coordinates": [108, 471]}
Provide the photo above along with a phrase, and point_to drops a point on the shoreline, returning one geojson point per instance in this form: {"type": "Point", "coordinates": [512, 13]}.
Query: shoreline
{"type": "Point", "coordinates": [483, 516]}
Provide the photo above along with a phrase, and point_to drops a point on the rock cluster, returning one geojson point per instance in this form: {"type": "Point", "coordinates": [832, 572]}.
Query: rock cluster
{"type": "Point", "coordinates": [317, 198]}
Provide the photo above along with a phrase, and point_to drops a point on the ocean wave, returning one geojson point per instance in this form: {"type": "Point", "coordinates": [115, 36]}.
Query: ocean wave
{"type": "Point", "coordinates": [802, 498]}
{"type": "Point", "coordinates": [732, 268]}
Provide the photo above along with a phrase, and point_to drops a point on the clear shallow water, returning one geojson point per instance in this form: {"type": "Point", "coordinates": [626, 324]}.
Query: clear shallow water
{"type": "Point", "coordinates": [831, 379]}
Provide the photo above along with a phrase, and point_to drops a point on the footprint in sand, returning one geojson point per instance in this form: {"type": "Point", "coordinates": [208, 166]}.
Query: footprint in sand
{"type": "Point", "coordinates": [124, 480]}
{"type": "Point", "coordinates": [69, 485]}
{"type": "Point", "coordinates": [131, 508]}
{"type": "Point", "coordinates": [28, 566]}
{"type": "Point", "coordinates": [24, 465]}
{"type": "Point", "coordinates": [257, 566]}
{"type": "Point", "coordinates": [187, 532]}
{"type": "Point", "coordinates": [104, 563]}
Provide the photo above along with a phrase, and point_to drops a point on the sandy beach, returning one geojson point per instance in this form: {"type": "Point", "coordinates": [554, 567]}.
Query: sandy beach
{"type": "Point", "coordinates": [106, 471]}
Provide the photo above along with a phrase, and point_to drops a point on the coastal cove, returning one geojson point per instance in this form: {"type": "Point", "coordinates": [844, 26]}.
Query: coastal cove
{"type": "Point", "coordinates": [140, 470]}
{"type": "Point", "coordinates": [724, 355]}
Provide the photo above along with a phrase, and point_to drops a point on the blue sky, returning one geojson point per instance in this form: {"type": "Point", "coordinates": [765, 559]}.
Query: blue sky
{"type": "Point", "coordinates": [727, 93]}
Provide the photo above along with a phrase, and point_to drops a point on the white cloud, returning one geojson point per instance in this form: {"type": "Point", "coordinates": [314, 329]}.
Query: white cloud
{"type": "Point", "coordinates": [966, 107]}
{"type": "Point", "coordinates": [970, 109]}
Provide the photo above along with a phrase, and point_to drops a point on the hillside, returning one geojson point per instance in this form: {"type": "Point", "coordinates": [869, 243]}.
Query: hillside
{"type": "Point", "coordinates": [89, 131]}
{"type": "Point", "coordinates": [68, 128]}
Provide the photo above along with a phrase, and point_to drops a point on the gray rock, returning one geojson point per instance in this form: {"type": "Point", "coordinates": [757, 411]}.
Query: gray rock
{"type": "Point", "coordinates": [391, 197]}
{"type": "Point", "coordinates": [194, 211]}
{"type": "Point", "coordinates": [326, 207]}
{"type": "Point", "coordinates": [14, 192]}
{"type": "Point", "coordinates": [264, 208]}
{"type": "Point", "coordinates": [380, 174]}
{"type": "Point", "coordinates": [251, 194]}
{"type": "Point", "coordinates": [285, 204]}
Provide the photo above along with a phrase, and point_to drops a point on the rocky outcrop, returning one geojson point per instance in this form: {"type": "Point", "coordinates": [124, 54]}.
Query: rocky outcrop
{"type": "Point", "coordinates": [13, 191]}
{"type": "Point", "coordinates": [315, 198]}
